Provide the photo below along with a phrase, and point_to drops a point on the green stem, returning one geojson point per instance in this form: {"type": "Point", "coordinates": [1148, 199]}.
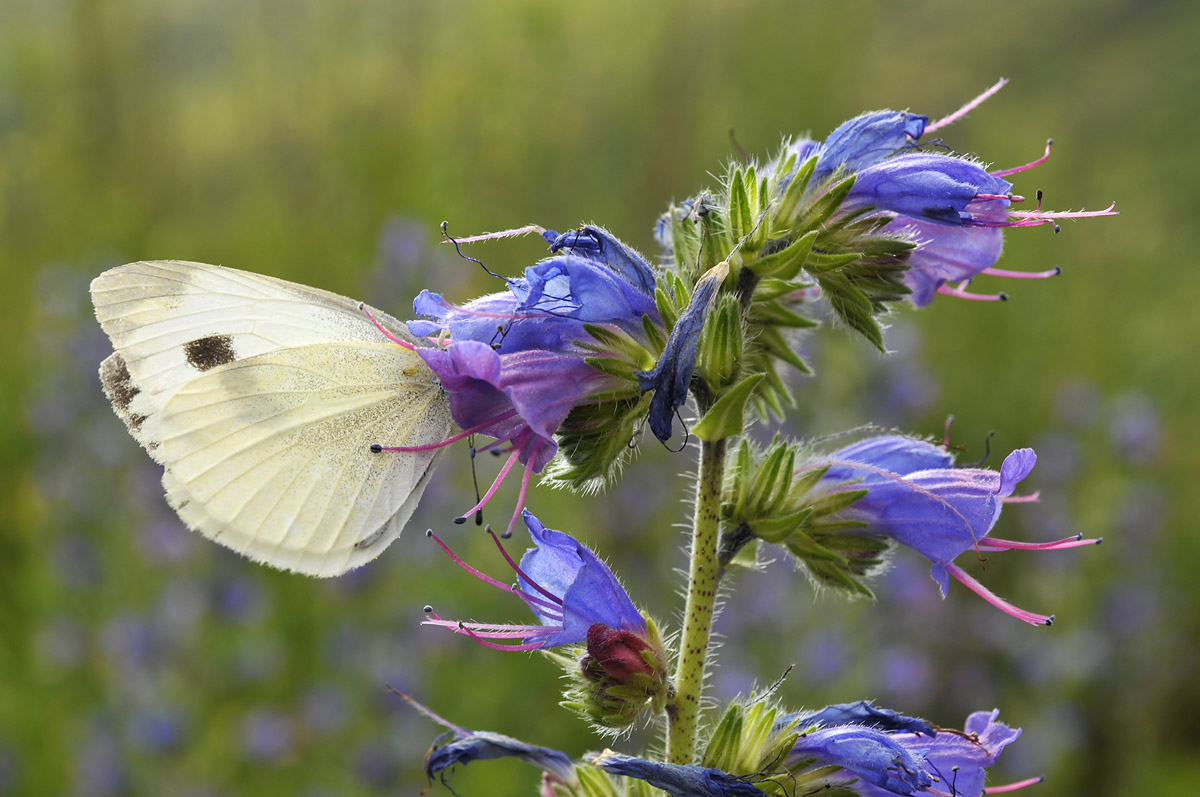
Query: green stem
{"type": "Point", "coordinates": [683, 714]}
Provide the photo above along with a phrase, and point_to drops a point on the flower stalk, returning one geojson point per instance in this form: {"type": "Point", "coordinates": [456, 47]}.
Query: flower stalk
{"type": "Point", "coordinates": [683, 711]}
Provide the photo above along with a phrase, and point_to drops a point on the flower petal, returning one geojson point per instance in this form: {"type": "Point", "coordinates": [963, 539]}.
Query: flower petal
{"type": "Point", "coordinates": [866, 140]}
{"type": "Point", "coordinates": [681, 780]}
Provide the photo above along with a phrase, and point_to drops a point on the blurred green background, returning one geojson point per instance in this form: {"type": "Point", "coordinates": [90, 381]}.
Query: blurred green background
{"type": "Point", "coordinates": [323, 143]}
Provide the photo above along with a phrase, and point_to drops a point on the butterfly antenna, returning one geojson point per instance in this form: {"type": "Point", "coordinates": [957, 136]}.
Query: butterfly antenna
{"type": "Point", "coordinates": [742, 154]}
{"type": "Point", "coordinates": [475, 480]}
{"type": "Point", "coordinates": [450, 238]}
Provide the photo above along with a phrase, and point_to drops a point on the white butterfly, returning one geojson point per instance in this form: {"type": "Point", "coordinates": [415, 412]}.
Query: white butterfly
{"type": "Point", "coordinates": [261, 399]}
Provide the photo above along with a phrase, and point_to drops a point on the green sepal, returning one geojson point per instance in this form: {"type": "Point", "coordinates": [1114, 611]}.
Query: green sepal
{"type": "Point", "coordinates": [786, 209]}
{"type": "Point", "coordinates": [741, 216]}
{"type": "Point", "coordinates": [727, 416]}
{"type": "Point", "coordinates": [779, 527]}
{"type": "Point", "coordinates": [835, 501]}
{"type": "Point", "coordinates": [826, 205]}
{"type": "Point", "coordinates": [787, 262]}
{"type": "Point", "coordinates": [774, 313]}
{"type": "Point", "coordinates": [771, 340]}
{"type": "Point", "coordinates": [807, 549]}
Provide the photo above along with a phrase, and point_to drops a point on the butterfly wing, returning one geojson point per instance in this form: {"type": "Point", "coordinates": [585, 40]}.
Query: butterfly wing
{"type": "Point", "coordinates": [261, 398]}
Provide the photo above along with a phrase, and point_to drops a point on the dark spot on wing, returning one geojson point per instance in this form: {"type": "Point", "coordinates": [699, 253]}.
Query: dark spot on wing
{"type": "Point", "coordinates": [207, 353]}
{"type": "Point", "coordinates": [118, 385]}
{"type": "Point", "coordinates": [136, 421]}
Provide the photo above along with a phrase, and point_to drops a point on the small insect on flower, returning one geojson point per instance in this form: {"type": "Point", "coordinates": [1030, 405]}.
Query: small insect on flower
{"type": "Point", "coordinates": [261, 399]}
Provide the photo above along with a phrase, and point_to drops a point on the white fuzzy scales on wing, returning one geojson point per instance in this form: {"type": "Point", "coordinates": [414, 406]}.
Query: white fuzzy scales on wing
{"type": "Point", "coordinates": [261, 398]}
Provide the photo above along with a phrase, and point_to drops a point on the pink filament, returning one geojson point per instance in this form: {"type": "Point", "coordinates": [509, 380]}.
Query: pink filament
{"type": "Point", "coordinates": [404, 344]}
{"type": "Point", "coordinates": [994, 599]}
{"type": "Point", "coordinates": [495, 486]}
{"type": "Point", "coordinates": [1026, 275]}
{"type": "Point", "coordinates": [966, 109]}
{"type": "Point", "coordinates": [975, 297]}
{"type": "Point", "coordinates": [1027, 166]}
{"type": "Point", "coordinates": [1020, 784]}
{"type": "Point", "coordinates": [1078, 541]}
{"type": "Point", "coordinates": [479, 427]}
{"type": "Point", "coordinates": [521, 573]}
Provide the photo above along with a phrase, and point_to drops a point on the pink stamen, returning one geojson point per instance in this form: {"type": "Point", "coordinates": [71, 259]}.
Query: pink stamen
{"type": "Point", "coordinates": [1002, 197]}
{"type": "Point", "coordinates": [491, 490]}
{"type": "Point", "coordinates": [966, 109]}
{"type": "Point", "coordinates": [513, 233]}
{"type": "Point", "coordinates": [1027, 166]}
{"type": "Point", "coordinates": [520, 500]}
{"type": "Point", "coordinates": [1023, 275]}
{"type": "Point", "coordinates": [1078, 541]}
{"type": "Point", "coordinates": [481, 576]}
{"type": "Point", "coordinates": [496, 646]}
{"type": "Point", "coordinates": [994, 599]}
{"type": "Point", "coordinates": [975, 297]}
{"type": "Point", "coordinates": [479, 427]}
{"type": "Point", "coordinates": [1020, 784]}
{"type": "Point", "coordinates": [404, 344]}
{"type": "Point", "coordinates": [517, 569]}
{"type": "Point", "coordinates": [492, 631]}
{"type": "Point", "coordinates": [1022, 499]}
{"type": "Point", "coordinates": [1046, 215]}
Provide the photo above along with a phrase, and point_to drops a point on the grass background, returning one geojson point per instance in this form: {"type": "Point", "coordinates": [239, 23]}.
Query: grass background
{"type": "Point", "coordinates": [323, 142]}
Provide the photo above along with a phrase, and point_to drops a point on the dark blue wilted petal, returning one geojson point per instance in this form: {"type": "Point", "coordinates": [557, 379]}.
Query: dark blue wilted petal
{"type": "Point", "coordinates": [601, 246]}
{"type": "Point", "coordinates": [866, 140]}
{"type": "Point", "coordinates": [672, 374]}
{"type": "Point", "coordinates": [861, 712]}
{"type": "Point", "coordinates": [680, 780]}
{"type": "Point", "coordinates": [456, 748]}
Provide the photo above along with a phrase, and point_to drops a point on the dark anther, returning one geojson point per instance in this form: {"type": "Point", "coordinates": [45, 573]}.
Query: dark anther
{"type": "Point", "coordinates": [428, 532]}
{"type": "Point", "coordinates": [376, 448]}
{"type": "Point", "coordinates": [428, 609]}
{"type": "Point", "coordinates": [1003, 297]}
{"type": "Point", "coordinates": [1057, 270]}
{"type": "Point", "coordinates": [458, 521]}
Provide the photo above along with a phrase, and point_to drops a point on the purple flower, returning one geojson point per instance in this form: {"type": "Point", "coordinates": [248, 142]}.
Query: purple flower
{"type": "Point", "coordinates": [513, 363]}
{"type": "Point", "coordinates": [890, 762]}
{"type": "Point", "coordinates": [682, 780]}
{"type": "Point", "coordinates": [574, 596]}
{"type": "Point", "coordinates": [861, 712]}
{"type": "Point", "coordinates": [915, 498]}
{"type": "Point", "coordinates": [951, 207]}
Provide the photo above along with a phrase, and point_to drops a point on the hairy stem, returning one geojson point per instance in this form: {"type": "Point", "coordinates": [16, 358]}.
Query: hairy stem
{"type": "Point", "coordinates": [684, 711]}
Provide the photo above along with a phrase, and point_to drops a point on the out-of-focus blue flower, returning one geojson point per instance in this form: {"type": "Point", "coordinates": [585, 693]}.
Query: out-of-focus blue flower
{"type": "Point", "coordinates": [267, 735]}
{"type": "Point", "coordinates": [680, 780]}
{"type": "Point", "coordinates": [569, 589]}
{"type": "Point", "coordinates": [672, 374]}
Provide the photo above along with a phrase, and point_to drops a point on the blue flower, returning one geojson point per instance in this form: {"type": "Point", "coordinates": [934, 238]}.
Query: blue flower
{"type": "Point", "coordinates": [680, 780]}
{"type": "Point", "coordinates": [861, 712]}
{"type": "Point", "coordinates": [915, 498]}
{"type": "Point", "coordinates": [574, 596]}
{"type": "Point", "coordinates": [951, 207]}
{"type": "Point", "coordinates": [904, 757]}
{"type": "Point", "coordinates": [601, 246]}
{"type": "Point", "coordinates": [459, 747]}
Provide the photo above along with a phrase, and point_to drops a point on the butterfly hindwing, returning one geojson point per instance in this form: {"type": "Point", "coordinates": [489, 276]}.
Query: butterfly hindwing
{"type": "Point", "coordinates": [261, 398]}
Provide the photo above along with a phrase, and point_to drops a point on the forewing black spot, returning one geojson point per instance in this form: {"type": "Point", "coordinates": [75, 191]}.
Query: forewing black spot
{"type": "Point", "coordinates": [204, 354]}
{"type": "Point", "coordinates": [118, 385]}
{"type": "Point", "coordinates": [136, 421]}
